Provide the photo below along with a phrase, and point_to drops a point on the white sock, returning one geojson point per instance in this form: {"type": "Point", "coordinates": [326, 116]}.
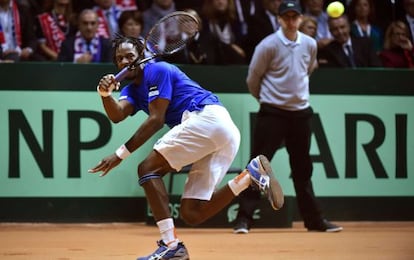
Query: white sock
{"type": "Point", "coordinates": [239, 183]}
{"type": "Point", "coordinates": [167, 231]}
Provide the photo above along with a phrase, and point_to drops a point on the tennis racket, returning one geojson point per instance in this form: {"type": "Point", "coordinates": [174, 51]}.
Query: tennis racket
{"type": "Point", "coordinates": [169, 35]}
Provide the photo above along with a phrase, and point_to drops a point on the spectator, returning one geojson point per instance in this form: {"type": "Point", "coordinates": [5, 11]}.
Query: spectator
{"type": "Point", "coordinates": [282, 89]}
{"type": "Point", "coordinates": [263, 23]}
{"type": "Point", "coordinates": [87, 45]}
{"type": "Point", "coordinates": [309, 26]}
{"type": "Point", "coordinates": [315, 8]}
{"type": "Point", "coordinates": [131, 23]}
{"type": "Point", "coordinates": [52, 29]}
{"type": "Point", "coordinates": [245, 9]}
{"type": "Point", "coordinates": [362, 16]}
{"type": "Point", "coordinates": [221, 24]}
{"type": "Point", "coordinates": [109, 12]}
{"type": "Point", "coordinates": [17, 35]}
{"type": "Point", "coordinates": [346, 51]}
{"type": "Point", "coordinates": [409, 18]}
{"type": "Point", "coordinates": [155, 12]}
{"type": "Point", "coordinates": [398, 50]}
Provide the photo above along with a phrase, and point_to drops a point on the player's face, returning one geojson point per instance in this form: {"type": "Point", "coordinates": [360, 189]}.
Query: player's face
{"type": "Point", "coordinates": [125, 55]}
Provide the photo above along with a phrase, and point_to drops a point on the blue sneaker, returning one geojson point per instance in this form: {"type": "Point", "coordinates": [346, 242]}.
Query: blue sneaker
{"type": "Point", "coordinates": [262, 176]}
{"type": "Point", "coordinates": [164, 252]}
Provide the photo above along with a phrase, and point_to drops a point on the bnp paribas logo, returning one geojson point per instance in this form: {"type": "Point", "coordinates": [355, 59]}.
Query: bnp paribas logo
{"type": "Point", "coordinates": [232, 213]}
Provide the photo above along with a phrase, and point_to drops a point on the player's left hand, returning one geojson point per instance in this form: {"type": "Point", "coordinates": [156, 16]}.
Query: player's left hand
{"type": "Point", "coordinates": [106, 164]}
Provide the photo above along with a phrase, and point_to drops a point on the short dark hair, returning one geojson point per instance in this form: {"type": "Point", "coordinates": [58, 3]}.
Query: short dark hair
{"type": "Point", "coordinates": [130, 14]}
{"type": "Point", "coordinates": [138, 43]}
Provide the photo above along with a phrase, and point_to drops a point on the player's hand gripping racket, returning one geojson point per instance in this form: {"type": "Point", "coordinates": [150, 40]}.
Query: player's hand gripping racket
{"type": "Point", "coordinates": [169, 35]}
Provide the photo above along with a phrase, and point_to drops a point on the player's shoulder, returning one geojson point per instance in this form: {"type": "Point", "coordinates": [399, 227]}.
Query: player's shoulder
{"type": "Point", "coordinates": [160, 65]}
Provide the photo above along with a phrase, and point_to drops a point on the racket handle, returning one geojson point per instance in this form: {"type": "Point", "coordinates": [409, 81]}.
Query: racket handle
{"type": "Point", "coordinates": [121, 75]}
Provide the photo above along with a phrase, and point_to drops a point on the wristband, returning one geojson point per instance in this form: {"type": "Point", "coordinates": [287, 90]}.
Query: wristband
{"type": "Point", "coordinates": [103, 93]}
{"type": "Point", "coordinates": [122, 152]}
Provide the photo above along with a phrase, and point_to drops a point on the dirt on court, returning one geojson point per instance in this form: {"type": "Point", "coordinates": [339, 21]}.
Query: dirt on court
{"type": "Point", "coordinates": [359, 240]}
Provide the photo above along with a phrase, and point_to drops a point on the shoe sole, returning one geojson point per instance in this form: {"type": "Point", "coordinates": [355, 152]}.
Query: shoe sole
{"type": "Point", "coordinates": [275, 192]}
{"type": "Point", "coordinates": [332, 230]}
{"type": "Point", "coordinates": [241, 231]}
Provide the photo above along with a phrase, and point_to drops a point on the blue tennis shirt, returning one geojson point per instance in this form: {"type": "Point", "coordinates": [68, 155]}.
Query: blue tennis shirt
{"type": "Point", "coordinates": [164, 80]}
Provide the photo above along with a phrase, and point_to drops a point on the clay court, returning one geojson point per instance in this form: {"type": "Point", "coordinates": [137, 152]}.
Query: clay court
{"type": "Point", "coordinates": [359, 240]}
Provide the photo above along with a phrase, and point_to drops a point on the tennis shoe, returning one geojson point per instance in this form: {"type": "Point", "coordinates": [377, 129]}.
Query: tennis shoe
{"type": "Point", "coordinates": [165, 253]}
{"type": "Point", "coordinates": [262, 177]}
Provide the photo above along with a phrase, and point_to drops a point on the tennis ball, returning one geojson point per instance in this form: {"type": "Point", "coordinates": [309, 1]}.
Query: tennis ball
{"type": "Point", "coordinates": [335, 9]}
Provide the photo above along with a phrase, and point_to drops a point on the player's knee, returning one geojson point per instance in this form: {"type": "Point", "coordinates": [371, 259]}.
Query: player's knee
{"type": "Point", "coordinates": [190, 218]}
{"type": "Point", "coordinates": [190, 214]}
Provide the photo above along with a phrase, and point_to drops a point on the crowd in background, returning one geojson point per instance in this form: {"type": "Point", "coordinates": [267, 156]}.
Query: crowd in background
{"type": "Point", "coordinates": [370, 34]}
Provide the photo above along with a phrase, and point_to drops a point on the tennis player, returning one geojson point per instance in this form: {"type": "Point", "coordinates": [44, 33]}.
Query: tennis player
{"type": "Point", "coordinates": [202, 134]}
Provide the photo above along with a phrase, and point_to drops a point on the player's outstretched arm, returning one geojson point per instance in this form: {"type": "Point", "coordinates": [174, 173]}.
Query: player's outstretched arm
{"type": "Point", "coordinates": [106, 164]}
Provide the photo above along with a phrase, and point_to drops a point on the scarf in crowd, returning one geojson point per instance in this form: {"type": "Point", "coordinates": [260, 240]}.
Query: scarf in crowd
{"type": "Point", "coordinates": [15, 28]}
{"type": "Point", "coordinates": [104, 28]}
{"type": "Point", "coordinates": [126, 4]}
{"type": "Point", "coordinates": [81, 47]}
{"type": "Point", "coordinates": [51, 27]}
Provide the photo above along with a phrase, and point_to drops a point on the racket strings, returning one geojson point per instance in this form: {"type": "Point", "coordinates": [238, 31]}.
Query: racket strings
{"type": "Point", "coordinates": [172, 34]}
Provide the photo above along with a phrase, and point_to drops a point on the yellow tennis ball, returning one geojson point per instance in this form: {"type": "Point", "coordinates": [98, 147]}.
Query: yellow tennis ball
{"type": "Point", "coordinates": [335, 9]}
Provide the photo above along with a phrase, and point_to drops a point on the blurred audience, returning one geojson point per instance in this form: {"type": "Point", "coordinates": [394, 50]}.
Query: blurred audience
{"type": "Point", "coordinates": [408, 18]}
{"type": "Point", "coordinates": [398, 50]}
{"type": "Point", "coordinates": [52, 29]}
{"type": "Point", "coordinates": [156, 11]}
{"type": "Point", "coordinates": [346, 51]}
{"type": "Point", "coordinates": [197, 51]}
{"type": "Point", "coordinates": [245, 9]}
{"type": "Point", "coordinates": [108, 12]}
{"type": "Point", "coordinates": [362, 17]}
{"type": "Point", "coordinates": [17, 34]}
{"type": "Point", "coordinates": [221, 24]}
{"type": "Point", "coordinates": [309, 26]}
{"type": "Point", "coordinates": [263, 23]}
{"type": "Point", "coordinates": [86, 45]}
{"type": "Point", "coordinates": [315, 9]}
{"type": "Point", "coordinates": [131, 23]}
{"type": "Point", "coordinates": [230, 31]}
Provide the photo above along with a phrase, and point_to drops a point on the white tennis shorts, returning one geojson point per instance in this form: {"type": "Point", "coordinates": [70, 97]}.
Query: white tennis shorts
{"type": "Point", "coordinates": [209, 141]}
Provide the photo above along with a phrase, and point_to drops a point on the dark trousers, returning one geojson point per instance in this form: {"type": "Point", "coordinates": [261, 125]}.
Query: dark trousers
{"type": "Point", "coordinates": [274, 128]}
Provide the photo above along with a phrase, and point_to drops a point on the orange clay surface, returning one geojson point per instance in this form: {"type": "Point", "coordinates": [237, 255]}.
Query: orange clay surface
{"type": "Point", "coordinates": [359, 240]}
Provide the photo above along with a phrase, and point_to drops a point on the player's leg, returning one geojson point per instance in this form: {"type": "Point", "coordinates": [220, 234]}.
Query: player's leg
{"type": "Point", "coordinates": [150, 172]}
{"type": "Point", "coordinates": [200, 200]}
{"type": "Point", "coordinates": [268, 135]}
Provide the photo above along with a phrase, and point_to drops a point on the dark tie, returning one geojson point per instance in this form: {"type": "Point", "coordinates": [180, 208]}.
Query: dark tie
{"type": "Point", "coordinates": [350, 55]}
